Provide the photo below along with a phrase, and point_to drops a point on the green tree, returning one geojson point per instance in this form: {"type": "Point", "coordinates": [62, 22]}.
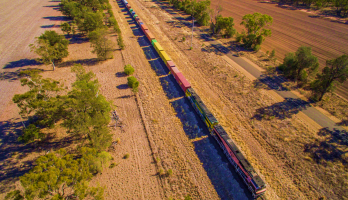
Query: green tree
{"type": "Point", "coordinates": [14, 195]}
{"type": "Point", "coordinates": [51, 47]}
{"type": "Point", "coordinates": [101, 45]}
{"type": "Point", "coordinates": [120, 42]}
{"type": "Point", "coordinates": [128, 69]}
{"type": "Point", "coordinates": [225, 25]}
{"type": "Point", "coordinates": [301, 64]}
{"type": "Point", "coordinates": [92, 21]}
{"type": "Point", "coordinates": [87, 111]}
{"type": "Point", "coordinates": [41, 101]}
{"type": "Point", "coordinates": [66, 28]}
{"type": "Point", "coordinates": [255, 25]}
{"type": "Point", "coordinates": [30, 134]}
{"type": "Point", "coordinates": [335, 72]}
{"type": "Point", "coordinates": [133, 83]}
{"type": "Point", "coordinates": [214, 14]}
{"type": "Point", "coordinates": [60, 176]}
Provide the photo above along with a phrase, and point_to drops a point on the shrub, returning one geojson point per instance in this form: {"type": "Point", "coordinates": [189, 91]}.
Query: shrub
{"type": "Point", "coordinates": [112, 165]}
{"type": "Point", "coordinates": [126, 156]}
{"type": "Point", "coordinates": [183, 39]}
{"type": "Point", "coordinates": [169, 172]}
{"type": "Point", "coordinates": [120, 42]}
{"type": "Point", "coordinates": [128, 69]}
{"type": "Point", "coordinates": [133, 83]}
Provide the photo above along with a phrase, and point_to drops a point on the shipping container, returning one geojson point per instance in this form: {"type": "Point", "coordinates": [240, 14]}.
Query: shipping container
{"type": "Point", "coordinates": [131, 10]}
{"type": "Point", "coordinates": [153, 41]}
{"type": "Point", "coordinates": [128, 6]}
{"type": "Point", "coordinates": [135, 16]}
{"type": "Point", "coordinates": [137, 19]}
{"type": "Point", "coordinates": [170, 64]}
{"type": "Point", "coordinates": [158, 47]}
{"type": "Point", "coordinates": [184, 84]}
{"type": "Point", "coordinates": [143, 27]}
{"type": "Point", "coordinates": [149, 35]}
{"type": "Point", "coordinates": [133, 13]}
{"type": "Point", "coordinates": [164, 56]}
{"type": "Point", "coordinates": [174, 71]}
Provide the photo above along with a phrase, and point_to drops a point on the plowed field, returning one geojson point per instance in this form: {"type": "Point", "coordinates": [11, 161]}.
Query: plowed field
{"type": "Point", "coordinates": [292, 29]}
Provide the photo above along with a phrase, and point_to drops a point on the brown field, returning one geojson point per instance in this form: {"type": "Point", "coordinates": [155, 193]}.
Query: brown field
{"type": "Point", "coordinates": [292, 29]}
{"type": "Point", "coordinates": [152, 134]}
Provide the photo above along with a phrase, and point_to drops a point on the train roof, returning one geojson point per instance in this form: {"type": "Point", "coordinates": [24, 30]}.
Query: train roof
{"type": "Point", "coordinates": [245, 163]}
{"type": "Point", "coordinates": [207, 112]}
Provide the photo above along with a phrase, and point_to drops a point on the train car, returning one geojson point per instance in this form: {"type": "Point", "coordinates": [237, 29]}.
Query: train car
{"type": "Point", "coordinates": [128, 6]}
{"type": "Point", "coordinates": [170, 64]}
{"type": "Point", "coordinates": [153, 41]}
{"type": "Point", "coordinates": [158, 47]}
{"type": "Point", "coordinates": [135, 16]}
{"type": "Point", "coordinates": [137, 19]}
{"type": "Point", "coordinates": [143, 27]}
{"type": "Point", "coordinates": [164, 56]}
{"type": "Point", "coordinates": [131, 10]}
{"type": "Point", "coordinates": [201, 109]}
{"type": "Point", "coordinates": [149, 35]}
{"type": "Point", "coordinates": [140, 22]}
{"type": "Point", "coordinates": [133, 13]}
{"type": "Point", "coordinates": [254, 182]}
{"type": "Point", "coordinates": [182, 81]}
{"type": "Point", "coordinates": [174, 70]}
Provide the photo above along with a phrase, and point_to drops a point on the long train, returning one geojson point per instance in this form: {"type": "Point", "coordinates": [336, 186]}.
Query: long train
{"type": "Point", "coordinates": [254, 182]}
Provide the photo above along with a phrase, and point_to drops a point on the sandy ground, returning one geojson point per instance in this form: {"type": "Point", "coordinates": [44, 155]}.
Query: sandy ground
{"type": "Point", "coordinates": [274, 145]}
{"type": "Point", "coordinates": [292, 29]}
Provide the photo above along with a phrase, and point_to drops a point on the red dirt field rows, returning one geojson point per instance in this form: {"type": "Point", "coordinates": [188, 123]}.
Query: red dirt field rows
{"type": "Point", "coordinates": [291, 29]}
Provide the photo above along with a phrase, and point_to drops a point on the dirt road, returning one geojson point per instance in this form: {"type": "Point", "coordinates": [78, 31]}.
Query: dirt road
{"type": "Point", "coordinates": [292, 29]}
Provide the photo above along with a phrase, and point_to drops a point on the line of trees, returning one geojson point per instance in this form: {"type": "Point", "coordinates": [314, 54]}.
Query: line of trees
{"type": "Point", "coordinates": [302, 66]}
{"type": "Point", "coordinates": [340, 6]}
{"type": "Point", "coordinates": [83, 112]}
{"type": "Point", "coordinates": [251, 38]}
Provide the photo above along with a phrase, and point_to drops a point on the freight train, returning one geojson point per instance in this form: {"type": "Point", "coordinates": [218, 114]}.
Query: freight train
{"type": "Point", "coordinates": [253, 181]}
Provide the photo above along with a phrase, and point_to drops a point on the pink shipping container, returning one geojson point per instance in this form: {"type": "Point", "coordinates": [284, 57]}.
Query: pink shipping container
{"type": "Point", "coordinates": [143, 27]}
{"type": "Point", "coordinates": [149, 35]}
{"type": "Point", "coordinates": [174, 71]}
{"type": "Point", "coordinates": [128, 6]}
{"type": "Point", "coordinates": [170, 64]}
{"type": "Point", "coordinates": [184, 84]}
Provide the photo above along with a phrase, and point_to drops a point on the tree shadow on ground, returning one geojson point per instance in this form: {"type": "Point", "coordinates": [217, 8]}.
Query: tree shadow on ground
{"type": "Point", "coordinates": [21, 63]}
{"type": "Point", "coordinates": [13, 152]}
{"type": "Point", "coordinates": [333, 148]}
{"type": "Point", "coordinates": [343, 123]}
{"type": "Point", "coordinates": [86, 62]}
{"type": "Point", "coordinates": [281, 110]}
{"type": "Point", "coordinates": [120, 74]}
{"type": "Point", "coordinates": [77, 39]}
{"type": "Point", "coordinates": [57, 18]}
{"type": "Point", "coordinates": [12, 76]}
{"type": "Point", "coordinates": [270, 82]}
{"type": "Point", "coordinates": [52, 6]}
{"type": "Point", "coordinates": [50, 26]}
{"type": "Point", "coordinates": [122, 86]}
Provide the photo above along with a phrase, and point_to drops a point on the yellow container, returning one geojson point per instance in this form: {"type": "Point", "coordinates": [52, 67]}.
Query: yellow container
{"type": "Point", "coordinates": [158, 47]}
{"type": "Point", "coordinates": [164, 56]}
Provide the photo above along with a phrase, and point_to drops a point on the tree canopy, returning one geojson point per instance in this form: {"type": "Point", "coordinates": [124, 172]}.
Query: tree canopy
{"type": "Point", "coordinates": [335, 72]}
{"type": "Point", "coordinates": [51, 47]}
{"type": "Point", "coordinates": [255, 30]}
{"type": "Point", "coordinates": [63, 176]}
{"type": "Point", "coordinates": [101, 45]}
{"type": "Point", "coordinates": [300, 65]}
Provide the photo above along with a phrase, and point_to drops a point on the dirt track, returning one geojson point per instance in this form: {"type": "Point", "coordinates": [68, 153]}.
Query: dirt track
{"type": "Point", "coordinates": [292, 29]}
